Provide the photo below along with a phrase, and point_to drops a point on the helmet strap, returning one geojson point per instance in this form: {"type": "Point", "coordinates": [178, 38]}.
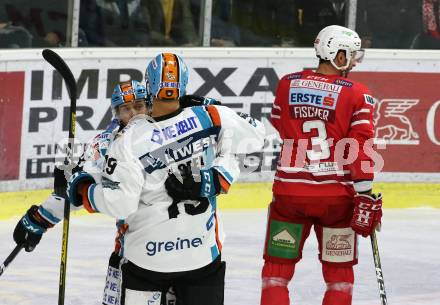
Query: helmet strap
{"type": "Point", "coordinates": [344, 68]}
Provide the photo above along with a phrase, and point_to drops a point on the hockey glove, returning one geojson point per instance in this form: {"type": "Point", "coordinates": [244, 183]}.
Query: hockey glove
{"type": "Point", "coordinates": [60, 182]}
{"type": "Point", "coordinates": [30, 228]}
{"type": "Point", "coordinates": [367, 213]}
{"type": "Point", "coordinates": [196, 100]}
{"type": "Point", "coordinates": [76, 183]}
{"type": "Point", "coordinates": [189, 189]}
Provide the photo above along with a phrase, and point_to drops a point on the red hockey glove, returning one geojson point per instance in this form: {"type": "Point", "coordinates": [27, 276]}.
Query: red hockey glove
{"type": "Point", "coordinates": [367, 213]}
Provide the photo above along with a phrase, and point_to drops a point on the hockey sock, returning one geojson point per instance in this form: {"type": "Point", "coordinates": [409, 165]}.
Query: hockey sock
{"type": "Point", "coordinates": [339, 285]}
{"type": "Point", "coordinates": [275, 278]}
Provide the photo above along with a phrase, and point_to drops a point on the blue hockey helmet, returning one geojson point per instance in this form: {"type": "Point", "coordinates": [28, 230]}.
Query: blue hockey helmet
{"type": "Point", "coordinates": [166, 77]}
{"type": "Point", "coordinates": [127, 92]}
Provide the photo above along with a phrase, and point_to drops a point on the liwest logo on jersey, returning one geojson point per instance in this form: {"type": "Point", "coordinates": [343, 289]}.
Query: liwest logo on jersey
{"type": "Point", "coordinates": [190, 146]}
{"type": "Point", "coordinates": [155, 247]}
{"type": "Point", "coordinates": [313, 99]}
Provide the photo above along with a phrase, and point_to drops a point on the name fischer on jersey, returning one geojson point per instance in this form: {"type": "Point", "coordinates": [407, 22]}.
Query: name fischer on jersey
{"type": "Point", "coordinates": [306, 112]}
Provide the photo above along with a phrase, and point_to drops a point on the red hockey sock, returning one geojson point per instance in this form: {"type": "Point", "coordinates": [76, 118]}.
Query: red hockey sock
{"type": "Point", "coordinates": [275, 278]}
{"type": "Point", "coordinates": [339, 285]}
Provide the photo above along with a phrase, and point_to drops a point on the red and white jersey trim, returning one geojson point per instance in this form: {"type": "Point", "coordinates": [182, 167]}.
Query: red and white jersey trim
{"type": "Point", "coordinates": [363, 110]}
{"type": "Point", "coordinates": [359, 122]}
{"type": "Point", "coordinates": [312, 181]}
{"type": "Point", "coordinates": [313, 172]}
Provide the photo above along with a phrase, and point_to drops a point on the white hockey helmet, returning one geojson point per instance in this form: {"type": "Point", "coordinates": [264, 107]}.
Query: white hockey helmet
{"type": "Point", "coordinates": [334, 38]}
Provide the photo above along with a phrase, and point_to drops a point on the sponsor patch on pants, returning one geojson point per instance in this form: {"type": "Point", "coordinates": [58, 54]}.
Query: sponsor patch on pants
{"type": "Point", "coordinates": [284, 239]}
{"type": "Point", "coordinates": [338, 245]}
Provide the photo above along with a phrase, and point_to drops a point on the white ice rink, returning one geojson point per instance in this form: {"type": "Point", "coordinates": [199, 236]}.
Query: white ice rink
{"type": "Point", "coordinates": [409, 247]}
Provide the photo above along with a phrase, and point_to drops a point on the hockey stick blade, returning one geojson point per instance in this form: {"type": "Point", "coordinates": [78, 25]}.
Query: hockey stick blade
{"type": "Point", "coordinates": [59, 64]}
{"type": "Point", "coordinates": [10, 258]}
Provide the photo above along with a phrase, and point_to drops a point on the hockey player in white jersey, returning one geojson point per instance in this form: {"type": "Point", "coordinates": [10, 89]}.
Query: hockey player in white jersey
{"type": "Point", "coordinates": [38, 219]}
{"type": "Point", "coordinates": [170, 241]}
{"type": "Point", "coordinates": [128, 99]}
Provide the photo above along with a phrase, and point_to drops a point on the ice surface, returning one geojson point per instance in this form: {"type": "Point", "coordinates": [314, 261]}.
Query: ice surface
{"type": "Point", "coordinates": [409, 247]}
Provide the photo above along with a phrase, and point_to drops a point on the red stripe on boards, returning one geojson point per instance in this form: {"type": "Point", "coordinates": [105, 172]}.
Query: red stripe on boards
{"type": "Point", "coordinates": [11, 116]}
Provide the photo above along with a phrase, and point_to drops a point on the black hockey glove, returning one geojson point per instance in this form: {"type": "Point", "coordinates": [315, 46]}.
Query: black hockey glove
{"type": "Point", "coordinates": [196, 100]}
{"type": "Point", "coordinates": [29, 229]}
{"type": "Point", "coordinates": [60, 182]}
{"type": "Point", "coordinates": [189, 189]}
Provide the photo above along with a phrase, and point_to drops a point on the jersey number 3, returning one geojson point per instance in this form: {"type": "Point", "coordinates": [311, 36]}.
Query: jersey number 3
{"type": "Point", "coordinates": [320, 140]}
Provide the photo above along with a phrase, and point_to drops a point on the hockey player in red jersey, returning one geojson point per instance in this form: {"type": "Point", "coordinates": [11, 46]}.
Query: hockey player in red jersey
{"type": "Point", "coordinates": [324, 174]}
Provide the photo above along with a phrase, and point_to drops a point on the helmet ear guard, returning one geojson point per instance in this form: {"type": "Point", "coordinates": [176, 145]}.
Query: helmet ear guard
{"type": "Point", "coordinates": [335, 38]}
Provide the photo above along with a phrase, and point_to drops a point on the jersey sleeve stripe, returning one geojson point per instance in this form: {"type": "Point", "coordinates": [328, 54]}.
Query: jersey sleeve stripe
{"type": "Point", "coordinates": [88, 201]}
{"type": "Point", "coordinates": [363, 110]}
{"type": "Point", "coordinates": [225, 174]}
{"type": "Point", "coordinates": [276, 107]}
{"type": "Point", "coordinates": [224, 184]}
{"type": "Point", "coordinates": [215, 116]}
{"type": "Point", "coordinates": [359, 122]}
{"type": "Point", "coordinates": [273, 116]}
{"type": "Point", "coordinates": [362, 116]}
{"type": "Point", "coordinates": [48, 216]}
{"type": "Point", "coordinates": [202, 116]}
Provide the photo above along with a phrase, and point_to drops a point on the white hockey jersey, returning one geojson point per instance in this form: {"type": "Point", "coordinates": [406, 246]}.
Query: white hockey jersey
{"type": "Point", "coordinates": [92, 160]}
{"type": "Point", "coordinates": [131, 187]}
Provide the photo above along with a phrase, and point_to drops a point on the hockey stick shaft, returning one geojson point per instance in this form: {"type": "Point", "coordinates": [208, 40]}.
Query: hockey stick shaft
{"type": "Point", "coordinates": [378, 266]}
{"type": "Point", "coordinates": [10, 258]}
{"type": "Point", "coordinates": [58, 63]}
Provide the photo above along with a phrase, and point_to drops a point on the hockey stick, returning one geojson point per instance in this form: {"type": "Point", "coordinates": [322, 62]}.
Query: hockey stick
{"type": "Point", "coordinates": [58, 63]}
{"type": "Point", "coordinates": [10, 258]}
{"type": "Point", "coordinates": [379, 273]}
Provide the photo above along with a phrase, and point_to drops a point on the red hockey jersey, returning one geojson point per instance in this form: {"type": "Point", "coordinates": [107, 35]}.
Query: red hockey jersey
{"type": "Point", "coordinates": [326, 124]}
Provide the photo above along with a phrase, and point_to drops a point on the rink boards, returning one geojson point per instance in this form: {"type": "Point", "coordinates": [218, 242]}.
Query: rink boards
{"type": "Point", "coordinates": [251, 196]}
{"type": "Point", "coordinates": [34, 103]}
